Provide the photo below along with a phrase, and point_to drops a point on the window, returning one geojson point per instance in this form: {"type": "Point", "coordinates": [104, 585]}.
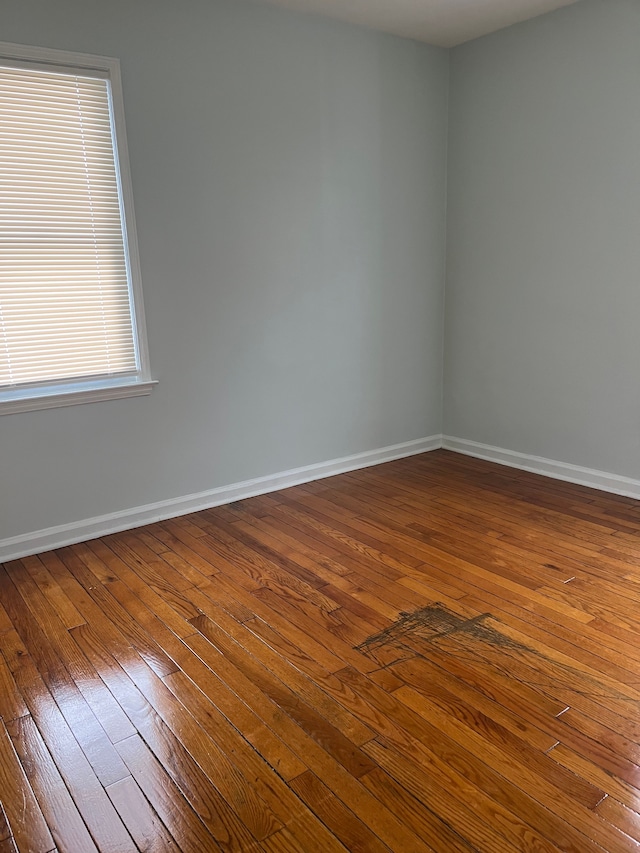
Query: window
{"type": "Point", "coordinates": [71, 321]}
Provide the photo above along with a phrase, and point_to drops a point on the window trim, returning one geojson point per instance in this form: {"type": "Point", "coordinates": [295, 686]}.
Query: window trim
{"type": "Point", "coordinates": [47, 395]}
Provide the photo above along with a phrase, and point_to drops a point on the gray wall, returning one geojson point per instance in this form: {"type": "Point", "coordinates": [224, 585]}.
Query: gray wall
{"type": "Point", "coordinates": [543, 288]}
{"type": "Point", "coordinates": [289, 184]}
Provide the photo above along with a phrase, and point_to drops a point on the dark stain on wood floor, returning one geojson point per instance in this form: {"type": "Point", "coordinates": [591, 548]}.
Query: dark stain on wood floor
{"type": "Point", "coordinates": [432, 623]}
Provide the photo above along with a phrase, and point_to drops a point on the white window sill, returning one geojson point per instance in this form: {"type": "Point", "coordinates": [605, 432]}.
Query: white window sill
{"type": "Point", "coordinates": [54, 396]}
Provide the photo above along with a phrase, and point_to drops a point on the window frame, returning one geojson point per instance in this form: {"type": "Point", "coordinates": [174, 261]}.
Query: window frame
{"type": "Point", "coordinates": [53, 394]}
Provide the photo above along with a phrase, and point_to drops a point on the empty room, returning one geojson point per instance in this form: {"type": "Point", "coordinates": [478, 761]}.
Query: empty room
{"type": "Point", "coordinates": [319, 426]}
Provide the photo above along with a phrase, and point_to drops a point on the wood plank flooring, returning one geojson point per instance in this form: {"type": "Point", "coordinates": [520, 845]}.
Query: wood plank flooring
{"type": "Point", "coordinates": [436, 654]}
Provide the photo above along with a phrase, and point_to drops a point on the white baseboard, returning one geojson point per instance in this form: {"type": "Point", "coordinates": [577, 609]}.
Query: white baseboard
{"type": "Point", "coordinates": [548, 467]}
{"type": "Point", "coordinates": [91, 528]}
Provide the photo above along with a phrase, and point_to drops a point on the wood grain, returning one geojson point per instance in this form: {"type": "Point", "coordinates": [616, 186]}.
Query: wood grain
{"type": "Point", "coordinates": [435, 654]}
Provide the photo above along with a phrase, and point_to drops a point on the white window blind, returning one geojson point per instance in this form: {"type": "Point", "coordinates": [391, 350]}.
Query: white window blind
{"type": "Point", "coordinates": [66, 302]}
{"type": "Point", "coordinates": [64, 291]}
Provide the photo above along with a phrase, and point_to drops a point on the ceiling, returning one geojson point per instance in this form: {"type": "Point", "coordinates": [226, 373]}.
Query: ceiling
{"type": "Point", "coordinates": [441, 22]}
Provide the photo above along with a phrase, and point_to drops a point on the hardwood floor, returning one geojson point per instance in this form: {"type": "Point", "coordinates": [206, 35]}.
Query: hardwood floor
{"type": "Point", "coordinates": [436, 654]}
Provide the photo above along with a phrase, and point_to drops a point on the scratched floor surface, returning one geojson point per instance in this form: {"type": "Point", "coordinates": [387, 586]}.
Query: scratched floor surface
{"type": "Point", "coordinates": [436, 654]}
